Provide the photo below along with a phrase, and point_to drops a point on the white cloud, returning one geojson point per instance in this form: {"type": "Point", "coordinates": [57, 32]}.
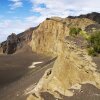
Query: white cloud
{"type": "Point", "coordinates": [61, 8]}
{"type": "Point", "coordinates": [16, 26]}
{"type": "Point", "coordinates": [15, 4]}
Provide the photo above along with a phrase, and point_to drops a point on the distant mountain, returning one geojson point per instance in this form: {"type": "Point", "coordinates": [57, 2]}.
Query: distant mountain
{"type": "Point", "coordinates": [15, 42]}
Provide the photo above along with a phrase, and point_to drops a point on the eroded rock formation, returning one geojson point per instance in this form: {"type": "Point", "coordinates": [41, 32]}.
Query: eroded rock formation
{"type": "Point", "coordinates": [73, 66]}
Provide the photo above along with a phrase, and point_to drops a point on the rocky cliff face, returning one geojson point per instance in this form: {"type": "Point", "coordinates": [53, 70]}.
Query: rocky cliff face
{"type": "Point", "coordinates": [73, 66]}
{"type": "Point", "coordinates": [48, 36]}
{"type": "Point", "coordinates": [46, 39]}
{"type": "Point", "coordinates": [15, 42]}
{"type": "Point", "coordinates": [56, 29]}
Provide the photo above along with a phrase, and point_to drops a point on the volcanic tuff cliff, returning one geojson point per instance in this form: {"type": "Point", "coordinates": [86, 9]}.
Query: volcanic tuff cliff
{"type": "Point", "coordinates": [73, 65]}
{"type": "Point", "coordinates": [48, 36]}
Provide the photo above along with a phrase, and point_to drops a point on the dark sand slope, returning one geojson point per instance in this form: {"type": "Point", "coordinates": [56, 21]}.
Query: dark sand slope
{"type": "Point", "coordinates": [14, 70]}
{"type": "Point", "coordinates": [16, 90]}
{"type": "Point", "coordinates": [87, 92]}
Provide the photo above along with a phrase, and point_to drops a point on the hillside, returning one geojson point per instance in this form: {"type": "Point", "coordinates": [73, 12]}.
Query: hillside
{"type": "Point", "coordinates": [15, 42]}
{"type": "Point", "coordinates": [73, 65]}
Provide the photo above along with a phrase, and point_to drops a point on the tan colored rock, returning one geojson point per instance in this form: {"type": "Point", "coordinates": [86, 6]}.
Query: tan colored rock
{"type": "Point", "coordinates": [73, 65]}
{"type": "Point", "coordinates": [46, 38]}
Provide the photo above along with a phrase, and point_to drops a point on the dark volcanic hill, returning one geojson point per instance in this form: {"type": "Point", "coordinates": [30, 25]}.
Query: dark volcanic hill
{"type": "Point", "coordinates": [15, 42]}
{"type": "Point", "coordinates": [93, 16]}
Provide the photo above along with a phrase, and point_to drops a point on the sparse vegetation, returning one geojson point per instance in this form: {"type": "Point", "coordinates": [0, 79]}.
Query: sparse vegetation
{"type": "Point", "coordinates": [94, 44]}
{"type": "Point", "coordinates": [84, 34]}
{"type": "Point", "coordinates": [74, 31]}
{"type": "Point", "coordinates": [93, 40]}
{"type": "Point", "coordinates": [92, 52]}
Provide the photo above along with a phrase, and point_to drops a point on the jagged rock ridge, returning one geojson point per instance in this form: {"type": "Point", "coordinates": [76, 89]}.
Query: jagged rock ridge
{"type": "Point", "coordinates": [73, 66]}
{"type": "Point", "coordinates": [15, 42]}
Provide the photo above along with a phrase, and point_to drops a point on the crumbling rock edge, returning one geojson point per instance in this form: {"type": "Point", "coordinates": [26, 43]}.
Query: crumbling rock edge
{"type": "Point", "coordinates": [73, 66]}
{"type": "Point", "coordinates": [70, 71]}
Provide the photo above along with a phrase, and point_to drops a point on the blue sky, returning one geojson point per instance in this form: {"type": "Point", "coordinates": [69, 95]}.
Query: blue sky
{"type": "Point", "coordinates": [18, 15]}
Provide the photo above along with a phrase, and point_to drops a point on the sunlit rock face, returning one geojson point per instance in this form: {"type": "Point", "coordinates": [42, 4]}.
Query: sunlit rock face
{"type": "Point", "coordinates": [49, 34]}
{"type": "Point", "coordinates": [46, 39]}
{"type": "Point", "coordinates": [73, 65]}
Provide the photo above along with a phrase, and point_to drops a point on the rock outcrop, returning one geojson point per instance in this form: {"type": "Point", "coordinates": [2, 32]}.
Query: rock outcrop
{"type": "Point", "coordinates": [48, 36]}
{"type": "Point", "coordinates": [73, 66]}
{"type": "Point", "coordinates": [15, 42]}
{"type": "Point", "coordinates": [46, 39]}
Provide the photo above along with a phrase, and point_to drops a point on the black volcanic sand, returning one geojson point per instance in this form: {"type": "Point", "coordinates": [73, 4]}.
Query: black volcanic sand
{"type": "Point", "coordinates": [16, 77]}
{"type": "Point", "coordinates": [16, 89]}
{"type": "Point", "coordinates": [87, 92]}
{"type": "Point", "coordinates": [12, 67]}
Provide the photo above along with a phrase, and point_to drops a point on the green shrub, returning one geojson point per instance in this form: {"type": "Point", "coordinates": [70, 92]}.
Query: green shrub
{"type": "Point", "coordinates": [94, 42]}
{"type": "Point", "coordinates": [92, 52]}
{"type": "Point", "coordinates": [74, 31]}
{"type": "Point", "coordinates": [85, 35]}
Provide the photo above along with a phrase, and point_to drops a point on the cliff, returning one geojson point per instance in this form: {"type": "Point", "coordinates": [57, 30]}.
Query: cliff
{"type": "Point", "coordinates": [73, 66]}
{"type": "Point", "coordinates": [48, 36]}
{"type": "Point", "coordinates": [56, 28]}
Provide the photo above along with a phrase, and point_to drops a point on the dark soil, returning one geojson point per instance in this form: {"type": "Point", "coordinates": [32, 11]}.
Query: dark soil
{"type": "Point", "coordinates": [87, 92]}
{"type": "Point", "coordinates": [15, 76]}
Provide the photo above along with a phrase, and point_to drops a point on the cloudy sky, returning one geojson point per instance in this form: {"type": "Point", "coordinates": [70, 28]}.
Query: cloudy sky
{"type": "Point", "coordinates": [18, 15]}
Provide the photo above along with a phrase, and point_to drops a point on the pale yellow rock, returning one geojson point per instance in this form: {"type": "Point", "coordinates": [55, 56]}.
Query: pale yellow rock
{"type": "Point", "coordinates": [73, 65]}
{"type": "Point", "coordinates": [47, 37]}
